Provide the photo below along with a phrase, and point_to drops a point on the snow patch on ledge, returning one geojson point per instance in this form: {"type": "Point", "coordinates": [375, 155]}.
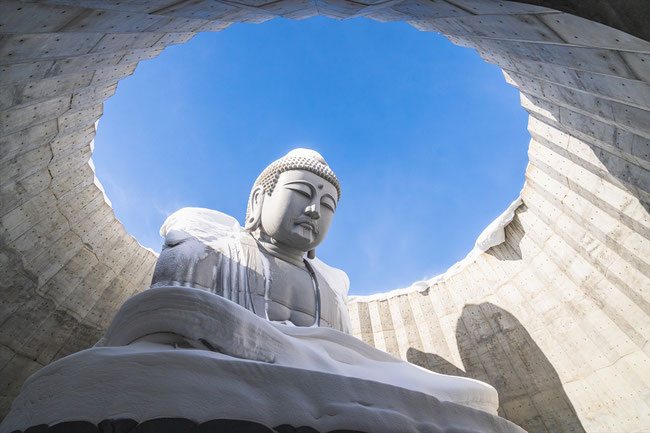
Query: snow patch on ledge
{"type": "Point", "coordinates": [96, 181]}
{"type": "Point", "coordinates": [493, 235]}
{"type": "Point", "coordinates": [99, 186]}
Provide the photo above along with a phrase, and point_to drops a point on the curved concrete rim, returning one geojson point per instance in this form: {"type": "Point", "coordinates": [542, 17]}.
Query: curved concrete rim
{"type": "Point", "coordinates": [556, 316]}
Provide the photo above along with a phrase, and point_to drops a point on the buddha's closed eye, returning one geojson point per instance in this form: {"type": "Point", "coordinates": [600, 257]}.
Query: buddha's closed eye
{"type": "Point", "coordinates": [302, 189]}
{"type": "Point", "coordinates": [328, 203]}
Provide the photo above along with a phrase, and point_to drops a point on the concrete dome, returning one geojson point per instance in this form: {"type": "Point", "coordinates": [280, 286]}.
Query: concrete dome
{"type": "Point", "coordinates": [556, 317]}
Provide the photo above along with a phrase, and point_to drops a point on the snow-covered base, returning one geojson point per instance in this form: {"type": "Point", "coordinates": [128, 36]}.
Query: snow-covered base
{"type": "Point", "coordinates": [494, 234]}
{"type": "Point", "coordinates": [264, 372]}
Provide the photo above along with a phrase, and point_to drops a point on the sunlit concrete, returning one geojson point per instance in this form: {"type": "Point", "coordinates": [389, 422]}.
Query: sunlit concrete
{"type": "Point", "coordinates": [556, 318]}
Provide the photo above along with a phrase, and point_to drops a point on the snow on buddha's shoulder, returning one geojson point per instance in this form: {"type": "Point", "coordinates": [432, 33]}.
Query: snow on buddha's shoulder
{"type": "Point", "coordinates": [206, 225]}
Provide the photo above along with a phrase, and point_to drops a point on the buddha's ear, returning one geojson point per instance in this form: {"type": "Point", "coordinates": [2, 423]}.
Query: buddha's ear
{"type": "Point", "coordinates": [256, 202]}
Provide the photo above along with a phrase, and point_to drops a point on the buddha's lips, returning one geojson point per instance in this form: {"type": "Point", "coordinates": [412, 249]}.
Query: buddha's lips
{"type": "Point", "coordinates": [308, 224]}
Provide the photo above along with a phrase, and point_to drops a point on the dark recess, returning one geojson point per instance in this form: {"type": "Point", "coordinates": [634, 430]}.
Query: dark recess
{"type": "Point", "coordinates": [629, 16]}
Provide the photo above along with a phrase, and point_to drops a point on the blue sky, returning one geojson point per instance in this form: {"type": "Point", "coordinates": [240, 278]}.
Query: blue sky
{"type": "Point", "coordinates": [427, 139]}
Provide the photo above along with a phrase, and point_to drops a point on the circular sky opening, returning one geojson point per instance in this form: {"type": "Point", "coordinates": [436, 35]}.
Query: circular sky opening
{"type": "Point", "coordinates": [427, 139]}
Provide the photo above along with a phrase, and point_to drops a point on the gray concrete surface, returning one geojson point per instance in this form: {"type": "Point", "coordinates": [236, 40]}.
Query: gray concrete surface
{"type": "Point", "coordinates": [556, 318]}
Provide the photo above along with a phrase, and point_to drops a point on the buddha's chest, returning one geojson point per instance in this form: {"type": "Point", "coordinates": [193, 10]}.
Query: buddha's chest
{"type": "Point", "coordinates": [292, 296]}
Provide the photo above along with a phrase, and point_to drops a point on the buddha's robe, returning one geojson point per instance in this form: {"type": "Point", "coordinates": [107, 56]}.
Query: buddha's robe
{"type": "Point", "coordinates": [176, 352]}
{"type": "Point", "coordinates": [209, 250]}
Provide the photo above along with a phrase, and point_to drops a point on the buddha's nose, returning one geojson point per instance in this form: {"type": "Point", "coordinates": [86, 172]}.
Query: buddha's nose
{"type": "Point", "coordinates": [313, 211]}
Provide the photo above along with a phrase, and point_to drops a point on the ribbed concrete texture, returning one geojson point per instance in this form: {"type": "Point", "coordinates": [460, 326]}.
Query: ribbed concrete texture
{"type": "Point", "coordinates": [556, 317]}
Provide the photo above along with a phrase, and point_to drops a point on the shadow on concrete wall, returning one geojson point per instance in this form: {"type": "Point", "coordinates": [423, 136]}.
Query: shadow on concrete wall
{"type": "Point", "coordinates": [511, 249]}
{"type": "Point", "coordinates": [497, 349]}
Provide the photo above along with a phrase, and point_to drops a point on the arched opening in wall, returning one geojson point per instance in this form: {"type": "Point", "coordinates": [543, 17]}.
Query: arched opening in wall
{"type": "Point", "coordinates": [429, 141]}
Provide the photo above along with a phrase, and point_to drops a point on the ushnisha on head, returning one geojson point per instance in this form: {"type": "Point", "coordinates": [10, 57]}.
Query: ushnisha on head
{"type": "Point", "coordinates": [293, 201]}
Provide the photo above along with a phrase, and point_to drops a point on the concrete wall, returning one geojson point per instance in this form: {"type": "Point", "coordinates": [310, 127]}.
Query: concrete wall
{"type": "Point", "coordinates": [556, 317]}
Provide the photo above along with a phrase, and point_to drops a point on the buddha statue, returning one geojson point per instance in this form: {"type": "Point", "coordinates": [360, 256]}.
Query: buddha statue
{"type": "Point", "coordinates": [270, 267]}
{"type": "Point", "coordinates": [244, 330]}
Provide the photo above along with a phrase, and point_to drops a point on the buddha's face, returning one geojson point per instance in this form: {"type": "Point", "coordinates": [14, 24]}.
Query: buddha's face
{"type": "Point", "coordinates": [299, 211]}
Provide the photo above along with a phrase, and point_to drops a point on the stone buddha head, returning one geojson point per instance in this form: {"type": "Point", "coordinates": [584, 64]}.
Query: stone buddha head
{"type": "Point", "coordinates": [293, 201]}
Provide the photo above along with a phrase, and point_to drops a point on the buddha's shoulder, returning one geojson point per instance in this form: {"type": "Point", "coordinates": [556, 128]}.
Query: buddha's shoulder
{"type": "Point", "coordinates": [199, 219]}
{"type": "Point", "coordinates": [204, 224]}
